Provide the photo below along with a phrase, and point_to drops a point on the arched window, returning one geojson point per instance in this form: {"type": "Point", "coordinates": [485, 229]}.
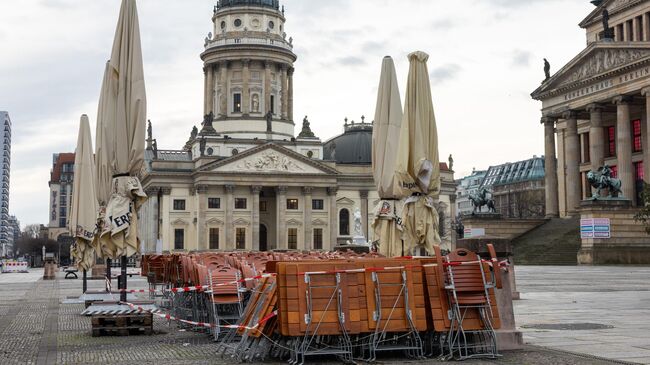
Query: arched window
{"type": "Point", "coordinates": [344, 222]}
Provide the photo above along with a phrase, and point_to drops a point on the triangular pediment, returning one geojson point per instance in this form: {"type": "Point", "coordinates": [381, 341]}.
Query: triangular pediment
{"type": "Point", "coordinates": [612, 6]}
{"type": "Point", "coordinates": [270, 158]}
{"type": "Point", "coordinates": [214, 222]}
{"type": "Point", "coordinates": [598, 61]}
{"type": "Point", "coordinates": [345, 201]}
{"type": "Point", "coordinates": [179, 222]}
{"type": "Point", "coordinates": [241, 222]}
{"type": "Point", "coordinates": [294, 222]}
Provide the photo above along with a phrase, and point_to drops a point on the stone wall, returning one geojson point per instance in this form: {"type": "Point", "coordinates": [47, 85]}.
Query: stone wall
{"type": "Point", "coordinates": [629, 243]}
{"type": "Point", "coordinates": [498, 227]}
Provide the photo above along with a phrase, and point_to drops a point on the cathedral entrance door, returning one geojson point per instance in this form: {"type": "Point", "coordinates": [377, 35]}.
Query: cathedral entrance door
{"type": "Point", "coordinates": [263, 238]}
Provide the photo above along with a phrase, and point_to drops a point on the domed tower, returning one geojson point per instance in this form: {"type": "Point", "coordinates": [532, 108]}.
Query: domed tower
{"type": "Point", "coordinates": [248, 65]}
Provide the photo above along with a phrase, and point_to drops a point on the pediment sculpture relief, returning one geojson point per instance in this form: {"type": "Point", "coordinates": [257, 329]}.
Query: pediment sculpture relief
{"type": "Point", "coordinates": [269, 161]}
{"type": "Point", "coordinates": [604, 60]}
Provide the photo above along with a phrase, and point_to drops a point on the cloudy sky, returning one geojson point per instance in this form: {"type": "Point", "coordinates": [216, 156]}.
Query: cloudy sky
{"type": "Point", "coordinates": [486, 58]}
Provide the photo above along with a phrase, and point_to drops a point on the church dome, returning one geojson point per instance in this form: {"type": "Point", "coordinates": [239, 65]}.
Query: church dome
{"type": "Point", "coordinates": [354, 146]}
{"type": "Point", "coordinates": [273, 4]}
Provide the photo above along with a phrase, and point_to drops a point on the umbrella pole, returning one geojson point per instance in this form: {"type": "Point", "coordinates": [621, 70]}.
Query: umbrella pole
{"type": "Point", "coordinates": [108, 275]}
{"type": "Point", "coordinates": [123, 279]}
{"type": "Point", "coordinates": [85, 282]}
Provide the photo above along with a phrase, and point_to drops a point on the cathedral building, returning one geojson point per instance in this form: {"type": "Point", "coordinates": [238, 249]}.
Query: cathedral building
{"type": "Point", "coordinates": [244, 179]}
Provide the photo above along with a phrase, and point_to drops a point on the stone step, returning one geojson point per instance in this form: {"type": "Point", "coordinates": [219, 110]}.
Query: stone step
{"type": "Point", "coordinates": [556, 242]}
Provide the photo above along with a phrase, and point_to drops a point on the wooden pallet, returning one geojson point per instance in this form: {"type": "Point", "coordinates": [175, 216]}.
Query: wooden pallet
{"type": "Point", "coordinates": [122, 324]}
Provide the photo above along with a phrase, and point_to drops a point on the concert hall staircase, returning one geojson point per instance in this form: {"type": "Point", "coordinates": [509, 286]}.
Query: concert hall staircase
{"type": "Point", "coordinates": [555, 242]}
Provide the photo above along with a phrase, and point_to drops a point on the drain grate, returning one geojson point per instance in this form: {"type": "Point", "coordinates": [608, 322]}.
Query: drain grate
{"type": "Point", "coordinates": [568, 326]}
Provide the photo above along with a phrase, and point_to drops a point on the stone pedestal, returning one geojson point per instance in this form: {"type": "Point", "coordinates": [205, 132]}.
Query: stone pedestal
{"type": "Point", "coordinates": [628, 242]}
{"type": "Point", "coordinates": [508, 338]}
{"type": "Point", "coordinates": [497, 227]}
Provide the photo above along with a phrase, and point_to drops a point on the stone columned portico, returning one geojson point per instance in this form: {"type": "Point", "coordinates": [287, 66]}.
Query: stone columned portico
{"type": "Point", "coordinates": [596, 112]}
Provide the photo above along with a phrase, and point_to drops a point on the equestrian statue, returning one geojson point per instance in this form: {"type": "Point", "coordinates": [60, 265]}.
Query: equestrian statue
{"type": "Point", "coordinates": [603, 179]}
{"type": "Point", "coordinates": [481, 199]}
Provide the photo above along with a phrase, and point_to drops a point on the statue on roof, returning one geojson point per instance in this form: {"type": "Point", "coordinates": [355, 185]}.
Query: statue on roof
{"type": "Point", "coordinates": [605, 17]}
{"type": "Point", "coordinates": [208, 119]}
{"type": "Point", "coordinates": [207, 124]}
{"type": "Point", "coordinates": [202, 143]}
{"type": "Point", "coordinates": [451, 163]}
{"type": "Point", "coordinates": [306, 129]}
{"type": "Point", "coordinates": [269, 121]}
{"type": "Point", "coordinates": [608, 32]}
{"type": "Point", "coordinates": [155, 149]}
{"type": "Point", "coordinates": [149, 130]}
{"type": "Point", "coordinates": [195, 132]}
{"type": "Point", "coordinates": [547, 70]}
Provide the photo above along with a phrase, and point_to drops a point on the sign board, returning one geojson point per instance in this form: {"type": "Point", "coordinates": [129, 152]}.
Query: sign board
{"type": "Point", "coordinates": [597, 228]}
{"type": "Point", "coordinates": [474, 232]}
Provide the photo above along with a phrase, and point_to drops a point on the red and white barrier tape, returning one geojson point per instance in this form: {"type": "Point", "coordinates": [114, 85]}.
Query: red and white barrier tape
{"type": "Point", "coordinates": [199, 288]}
{"type": "Point", "coordinates": [169, 317]}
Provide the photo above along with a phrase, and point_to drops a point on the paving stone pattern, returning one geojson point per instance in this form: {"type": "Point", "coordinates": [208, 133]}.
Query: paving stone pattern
{"type": "Point", "coordinates": [37, 328]}
{"type": "Point", "coordinates": [616, 298]}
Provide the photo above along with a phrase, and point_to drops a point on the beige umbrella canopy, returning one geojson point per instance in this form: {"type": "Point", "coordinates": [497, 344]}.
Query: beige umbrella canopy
{"type": "Point", "coordinates": [385, 139]}
{"type": "Point", "coordinates": [104, 173]}
{"type": "Point", "coordinates": [84, 200]}
{"type": "Point", "coordinates": [418, 169]}
{"type": "Point", "coordinates": [125, 106]}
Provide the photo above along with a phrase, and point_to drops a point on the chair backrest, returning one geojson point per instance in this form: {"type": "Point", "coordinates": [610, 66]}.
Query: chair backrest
{"type": "Point", "coordinates": [496, 270]}
{"type": "Point", "coordinates": [464, 270]}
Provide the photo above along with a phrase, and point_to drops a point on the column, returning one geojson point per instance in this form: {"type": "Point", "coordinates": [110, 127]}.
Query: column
{"type": "Point", "coordinates": [626, 32]}
{"type": "Point", "coordinates": [246, 92]}
{"type": "Point", "coordinates": [635, 30]}
{"type": "Point", "coordinates": [624, 147]}
{"type": "Point", "coordinates": [267, 86]}
{"type": "Point", "coordinates": [154, 213]}
{"type": "Point", "coordinates": [363, 194]}
{"type": "Point", "coordinates": [281, 203]}
{"type": "Point", "coordinates": [646, 148]}
{"type": "Point", "coordinates": [213, 89]}
{"type": "Point", "coordinates": [285, 92]}
{"type": "Point", "coordinates": [334, 219]}
{"type": "Point", "coordinates": [308, 243]}
{"type": "Point", "coordinates": [596, 136]}
{"type": "Point", "coordinates": [290, 93]}
{"type": "Point", "coordinates": [202, 207]}
{"type": "Point", "coordinates": [255, 216]}
{"type": "Point", "coordinates": [166, 236]}
{"type": "Point", "coordinates": [573, 179]}
{"type": "Point", "coordinates": [210, 93]}
{"type": "Point", "coordinates": [229, 229]}
{"type": "Point", "coordinates": [205, 90]}
{"type": "Point", "coordinates": [646, 27]}
{"type": "Point", "coordinates": [223, 98]}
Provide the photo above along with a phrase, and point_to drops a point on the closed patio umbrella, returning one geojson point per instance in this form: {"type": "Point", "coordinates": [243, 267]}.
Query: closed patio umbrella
{"type": "Point", "coordinates": [83, 210]}
{"type": "Point", "coordinates": [418, 169]}
{"type": "Point", "coordinates": [125, 134]}
{"type": "Point", "coordinates": [385, 139]}
{"type": "Point", "coordinates": [104, 173]}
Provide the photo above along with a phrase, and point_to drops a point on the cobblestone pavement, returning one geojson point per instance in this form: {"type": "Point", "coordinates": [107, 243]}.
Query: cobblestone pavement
{"type": "Point", "coordinates": [37, 327]}
{"type": "Point", "coordinates": [601, 311]}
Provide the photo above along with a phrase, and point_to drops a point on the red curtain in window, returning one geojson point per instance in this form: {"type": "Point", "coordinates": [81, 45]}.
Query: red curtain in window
{"type": "Point", "coordinates": [636, 130]}
{"type": "Point", "coordinates": [611, 141]}
{"type": "Point", "coordinates": [638, 171]}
